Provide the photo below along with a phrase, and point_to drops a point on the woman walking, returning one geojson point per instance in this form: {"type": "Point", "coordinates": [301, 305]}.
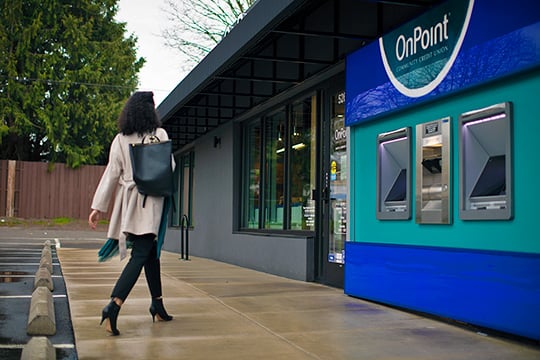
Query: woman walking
{"type": "Point", "coordinates": [132, 221]}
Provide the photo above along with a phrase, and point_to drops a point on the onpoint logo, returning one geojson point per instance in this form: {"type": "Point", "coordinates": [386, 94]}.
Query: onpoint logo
{"type": "Point", "coordinates": [426, 38]}
{"type": "Point", "coordinates": [418, 56]}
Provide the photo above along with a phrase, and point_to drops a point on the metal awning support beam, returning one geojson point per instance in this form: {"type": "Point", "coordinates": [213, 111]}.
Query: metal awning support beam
{"type": "Point", "coordinates": [288, 60]}
{"type": "Point", "coordinates": [197, 126]}
{"type": "Point", "coordinates": [198, 117]}
{"type": "Point", "coordinates": [320, 34]}
{"type": "Point", "coordinates": [228, 93]}
{"type": "Point", "coordinates": [247, 78]}
{"type": "Point", "coordinates": [418, 3]}
{"type": "Point", "coordinates": [216, 107]}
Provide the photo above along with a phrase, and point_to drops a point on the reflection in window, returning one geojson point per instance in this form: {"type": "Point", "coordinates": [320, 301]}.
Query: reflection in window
{"type": "Point", "coordinates": [338, 181]}
{"type": "Point", "coordinates": [183, 197]}
{"type": "Point", "coordinates": [252, 175]}
{"type": "Point", "coordinates": [279, 169]}
{"type": "Point", "coordinates": [274, 154]}
{"type": "Point", "coordinates": [302, 155]}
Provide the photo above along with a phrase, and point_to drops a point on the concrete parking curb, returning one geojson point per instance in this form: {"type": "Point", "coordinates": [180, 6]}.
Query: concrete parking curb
{"type": "Point", "coordinates": [41, 319]}
{"type": "Point", "coordinates": [44, 272]}
{"type": "Point", "coordinates": [46, 259]}
{"type": "Point", "coordinates": [38, 348]}
{"type": "Point", "coordinates": [43, 278]}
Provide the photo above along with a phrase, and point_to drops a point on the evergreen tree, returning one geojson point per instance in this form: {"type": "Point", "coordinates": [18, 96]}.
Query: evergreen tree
{"type": "Point", "coordinates": [66, 68]}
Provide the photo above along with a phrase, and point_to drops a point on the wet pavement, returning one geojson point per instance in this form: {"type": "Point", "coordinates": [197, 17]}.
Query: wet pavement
{"type": "Point", "coordinates": [222, 311]}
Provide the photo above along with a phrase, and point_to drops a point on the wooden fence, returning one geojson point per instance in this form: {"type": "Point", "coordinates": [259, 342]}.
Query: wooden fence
{"type": "Point", "coordinates": [29, 190]}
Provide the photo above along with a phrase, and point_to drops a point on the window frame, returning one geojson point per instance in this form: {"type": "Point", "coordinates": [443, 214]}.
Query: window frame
{"type": "Point", "coordinates": [261, 122]}
{"type": "Point", "coordinates": [183, 160]}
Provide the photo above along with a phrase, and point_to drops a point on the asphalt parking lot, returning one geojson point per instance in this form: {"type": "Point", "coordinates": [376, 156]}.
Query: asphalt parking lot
{"type": "Point", "coordinates": [20, 253]}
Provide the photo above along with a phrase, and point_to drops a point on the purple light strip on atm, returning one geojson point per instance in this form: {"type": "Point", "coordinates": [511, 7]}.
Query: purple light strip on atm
{"type": "Point", "coordinates": [491, 118]}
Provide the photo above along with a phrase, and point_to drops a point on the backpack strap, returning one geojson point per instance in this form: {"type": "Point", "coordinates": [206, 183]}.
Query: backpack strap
{"type": "Point", "coordinates": [144, 200]}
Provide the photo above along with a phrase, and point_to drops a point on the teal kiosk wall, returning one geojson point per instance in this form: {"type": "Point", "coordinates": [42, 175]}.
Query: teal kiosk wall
{"type": "Point", "coordinates": [480, 270]}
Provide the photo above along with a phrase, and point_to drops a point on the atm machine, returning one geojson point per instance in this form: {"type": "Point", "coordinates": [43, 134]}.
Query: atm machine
{"type": "Point", "coordinates": [433, 172]}
{"type": "Point", "coordinates": [485, 163]}
{"type": "Point", "coordinates": [393, 175]}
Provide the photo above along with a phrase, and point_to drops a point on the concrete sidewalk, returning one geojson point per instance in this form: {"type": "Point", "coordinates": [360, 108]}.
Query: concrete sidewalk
{"type": "Point", "coordinates": [226, 312]}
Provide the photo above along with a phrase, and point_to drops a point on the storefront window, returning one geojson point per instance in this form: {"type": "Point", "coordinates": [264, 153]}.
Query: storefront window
{"type": "Point", "coordinates": [252, 175]}
{"type": "Point", "coordinates": [284, 143]}
{"type": "Point", "coordinates": [302, 155]}
{"type": "Point", "coordinates": [274, 154]}
{"type": "Point", "coordinates": [183, 198]}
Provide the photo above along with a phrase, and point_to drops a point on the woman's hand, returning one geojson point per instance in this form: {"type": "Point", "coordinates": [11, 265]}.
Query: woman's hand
{"type": "Point", "coordinates": [93, 218]}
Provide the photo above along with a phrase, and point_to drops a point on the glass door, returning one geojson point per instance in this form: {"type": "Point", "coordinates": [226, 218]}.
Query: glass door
{"type": "Point", "coordinates": [334, 190]}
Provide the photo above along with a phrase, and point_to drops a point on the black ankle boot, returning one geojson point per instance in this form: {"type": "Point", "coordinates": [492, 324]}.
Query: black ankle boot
{"type": "Point", "coordinates": [111, 312]}
{"type": "Point", "coordinates": [157, 309]}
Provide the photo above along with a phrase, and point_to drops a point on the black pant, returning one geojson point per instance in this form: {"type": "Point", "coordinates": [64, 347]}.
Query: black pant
{"type": "Point", "coordinates": [143, 254]}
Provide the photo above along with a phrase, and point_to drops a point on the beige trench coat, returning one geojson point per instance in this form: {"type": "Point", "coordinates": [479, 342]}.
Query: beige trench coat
{"type": "Point", "coordinates": [128, 214]}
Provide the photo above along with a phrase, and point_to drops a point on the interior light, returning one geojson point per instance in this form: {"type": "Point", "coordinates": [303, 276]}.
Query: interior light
{"type": "Point", "coordinates": [295, 147]}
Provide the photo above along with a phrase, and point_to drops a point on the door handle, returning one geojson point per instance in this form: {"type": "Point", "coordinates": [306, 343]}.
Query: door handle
{"type": "Point", "coordinates": [326, 194]}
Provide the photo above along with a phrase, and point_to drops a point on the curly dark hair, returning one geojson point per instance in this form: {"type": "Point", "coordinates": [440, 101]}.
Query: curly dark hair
{"type": "Point", "coordinates": [139, 114]}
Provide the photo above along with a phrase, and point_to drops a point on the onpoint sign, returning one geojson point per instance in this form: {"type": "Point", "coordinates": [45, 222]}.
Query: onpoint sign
{"type": "Point", "coordinates": [417, 57]}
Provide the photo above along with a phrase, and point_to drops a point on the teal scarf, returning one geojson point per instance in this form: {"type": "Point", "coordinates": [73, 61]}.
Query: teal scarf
{"type": "Point", "coordinates": [110, 248]}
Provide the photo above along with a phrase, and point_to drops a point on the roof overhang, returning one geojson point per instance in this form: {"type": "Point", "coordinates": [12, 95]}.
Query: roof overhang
{"type": "Point", "coordinates": [278, 45]}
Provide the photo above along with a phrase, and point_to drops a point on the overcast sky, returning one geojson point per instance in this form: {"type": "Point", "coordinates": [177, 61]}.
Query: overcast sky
{"type": "Point", "coordinates": [162, 71]}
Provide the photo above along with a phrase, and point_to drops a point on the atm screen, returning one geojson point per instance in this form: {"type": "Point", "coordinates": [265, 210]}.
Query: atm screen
{"type": "Point", "coordinates": [399, 189]}
{"type": "Point", "coordinates": [492, 181]}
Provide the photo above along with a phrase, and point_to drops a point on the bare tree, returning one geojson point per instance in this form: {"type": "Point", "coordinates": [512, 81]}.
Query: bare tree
{"type": "Point", "coordinates": [196, 26]}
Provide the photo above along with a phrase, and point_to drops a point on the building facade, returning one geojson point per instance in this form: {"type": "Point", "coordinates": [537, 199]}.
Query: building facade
{"type": "Point", "coordinates": [382, 147]}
